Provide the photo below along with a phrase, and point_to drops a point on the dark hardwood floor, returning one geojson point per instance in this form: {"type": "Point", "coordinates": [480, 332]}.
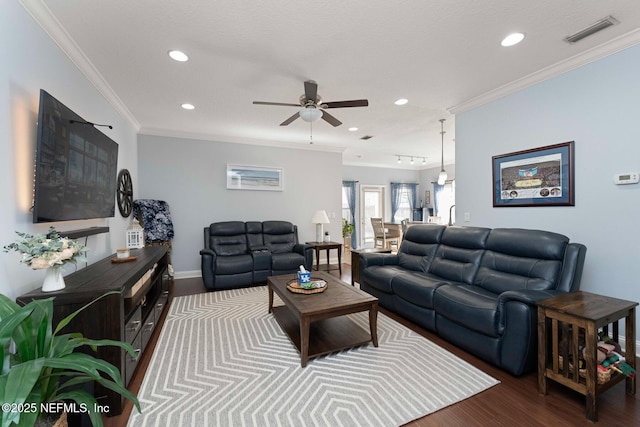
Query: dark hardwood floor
{"type": "Point", "coordinates": [513, 402]}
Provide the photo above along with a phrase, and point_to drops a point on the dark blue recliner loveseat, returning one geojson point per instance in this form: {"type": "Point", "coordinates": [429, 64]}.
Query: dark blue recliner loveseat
{"type": "Point", "coordinates": [238, 254]}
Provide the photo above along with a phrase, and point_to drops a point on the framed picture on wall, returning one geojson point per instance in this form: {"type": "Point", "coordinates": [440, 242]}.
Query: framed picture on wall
{"type": "Point", "coordinates": [242, 177]}
{"type": "Point", "coordinates": [541, 176]}
{"type": "Point", "coordinates": [427, 197]}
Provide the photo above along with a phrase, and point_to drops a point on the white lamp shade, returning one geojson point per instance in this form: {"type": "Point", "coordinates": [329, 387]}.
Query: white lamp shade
{"type": "Point", "coordinates": [442, 178]}
{"type": "Point", "coordinates": [320, 217]}
{"type": "Point", "coordinates": [310, 114]}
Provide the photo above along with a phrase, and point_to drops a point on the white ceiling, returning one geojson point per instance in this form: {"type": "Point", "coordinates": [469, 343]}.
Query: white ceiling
{"type": "Point", "coordinates": [443, 56]}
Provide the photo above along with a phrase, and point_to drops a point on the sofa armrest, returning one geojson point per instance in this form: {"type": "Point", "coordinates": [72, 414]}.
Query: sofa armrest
{"type": "Point", "coordinates": [306, 251]}
{"type": "Point", "coordinates": [207, 266]}
{"type": "Point", "coordinates": [528, 297]}
{"type": "Point", "coordinates": [370, 259]}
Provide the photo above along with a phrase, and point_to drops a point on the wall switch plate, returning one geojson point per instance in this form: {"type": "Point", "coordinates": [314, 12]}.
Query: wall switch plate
{"type": "Point", "coordinates": [467, 217]}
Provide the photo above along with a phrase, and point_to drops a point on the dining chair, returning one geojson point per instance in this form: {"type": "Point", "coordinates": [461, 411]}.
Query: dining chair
{"type": "Point", "coordinates": [383, 238]}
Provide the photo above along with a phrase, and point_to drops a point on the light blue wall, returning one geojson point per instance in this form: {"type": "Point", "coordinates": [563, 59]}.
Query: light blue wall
{"type": "Point", "coordinates": [598, 107]}
{"type": "Point", "coordinates": [190, 175]}
{"type": "Point", "coordinates": [32, 61]}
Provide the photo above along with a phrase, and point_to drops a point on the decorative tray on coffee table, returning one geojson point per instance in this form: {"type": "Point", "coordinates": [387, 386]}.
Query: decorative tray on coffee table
{"type": "Point", "coordinates": [294, 286]}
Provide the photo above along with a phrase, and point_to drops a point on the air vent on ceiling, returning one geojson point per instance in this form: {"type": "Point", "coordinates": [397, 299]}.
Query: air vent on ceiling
{"type": "Point", "coordinates": [366, 137]}
{"type": "Point", "coordinates": [592, 29]}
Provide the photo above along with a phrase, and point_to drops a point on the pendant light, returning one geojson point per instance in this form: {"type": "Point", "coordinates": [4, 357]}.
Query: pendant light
{"type": "Point", "coordinates": [442, 178]}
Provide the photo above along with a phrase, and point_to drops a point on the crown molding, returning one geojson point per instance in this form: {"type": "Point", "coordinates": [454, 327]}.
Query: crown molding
{"type": "Point", "coordinates": [240, 140]}
{"type": "Point", "coordinates": [43, 16]}
{"type": "Point", "coordinates": [619, 43]}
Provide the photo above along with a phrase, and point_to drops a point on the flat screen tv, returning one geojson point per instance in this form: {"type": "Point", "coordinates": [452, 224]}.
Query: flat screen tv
{"type": "Point", "coordinates": [76, 166]}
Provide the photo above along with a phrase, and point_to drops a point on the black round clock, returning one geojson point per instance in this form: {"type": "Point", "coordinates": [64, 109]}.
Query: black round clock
{"type": "Point", "coordinates": [125, 193]}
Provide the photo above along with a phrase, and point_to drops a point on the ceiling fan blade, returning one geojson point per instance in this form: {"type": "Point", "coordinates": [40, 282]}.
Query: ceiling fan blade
{"type": "Point", "coordinates": [345, 104]}
{"type": "Point", "coordinates": [330, 119]}
{"type": "Point", "coordinates": [276, 103]}
{"type": "Point", "coordinates": [290, 119]}
{"type": "Point", "coordinates": [311, 90]}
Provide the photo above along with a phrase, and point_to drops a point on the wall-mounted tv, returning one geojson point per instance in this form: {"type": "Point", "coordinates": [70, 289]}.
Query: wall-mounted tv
{"type": "Point", "coordinates": [76, 166]}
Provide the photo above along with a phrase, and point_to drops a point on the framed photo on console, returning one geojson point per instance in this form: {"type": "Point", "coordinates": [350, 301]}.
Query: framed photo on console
{"type": "Point", "coordinates": [242, 177]}
{"type": "Point", "coordinates": [541, 176]}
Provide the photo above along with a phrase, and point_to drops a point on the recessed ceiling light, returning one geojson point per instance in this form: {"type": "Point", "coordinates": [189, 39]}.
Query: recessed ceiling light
{"type": "Point", "coordinates": [179, 56]}
{"type": "Point", "coordinates": [512, 39]}
{"type": "Point", "coordinates": [188, 106]}
{"type": "Point", "coordinates": [353, 129]}
{"type": "Point", "coordinates": [401, 101]}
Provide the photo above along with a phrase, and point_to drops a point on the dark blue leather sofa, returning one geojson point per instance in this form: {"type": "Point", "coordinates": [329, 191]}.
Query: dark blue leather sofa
{"type": "Point", "coordinates": [238, 254]}
{"type": "Point", "coordinates": [476, 287]}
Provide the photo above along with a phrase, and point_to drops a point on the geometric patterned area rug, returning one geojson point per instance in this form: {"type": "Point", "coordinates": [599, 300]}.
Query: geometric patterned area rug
{"type": "Point", "coordinates": [223, 360]}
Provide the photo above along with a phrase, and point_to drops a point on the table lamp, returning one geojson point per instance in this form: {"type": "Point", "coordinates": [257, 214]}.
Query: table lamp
{"type": "Point", "coordinates": [319, 218]}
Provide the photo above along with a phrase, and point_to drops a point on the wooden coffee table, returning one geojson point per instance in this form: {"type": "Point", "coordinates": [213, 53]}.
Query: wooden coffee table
{"type": "Point", "coordinates": [316, 323]}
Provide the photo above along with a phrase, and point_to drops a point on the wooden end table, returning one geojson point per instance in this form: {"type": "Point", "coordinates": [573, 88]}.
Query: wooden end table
{"type": "Point", "coordinates": [327, 246]}
{"type": "Point", "coordinates": [355, 261]}
{"type": "Point", "coordinates": [562, 322]}
{"type": "Point", "coordinates": [316, 324]}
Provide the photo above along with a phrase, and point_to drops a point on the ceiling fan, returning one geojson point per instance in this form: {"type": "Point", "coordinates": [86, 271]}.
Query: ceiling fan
{"type": "Point", "coordinates": [313, 108]}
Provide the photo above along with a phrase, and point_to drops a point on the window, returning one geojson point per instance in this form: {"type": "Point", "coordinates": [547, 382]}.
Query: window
{"type": "Point", "coordinates": [404, 208]}
{"type": "Point", "coordinates": [345, 206]}
{"type": "Point", "coordinates": [446, 199]}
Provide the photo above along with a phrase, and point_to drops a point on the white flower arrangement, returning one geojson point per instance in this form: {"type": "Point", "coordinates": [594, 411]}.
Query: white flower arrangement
{"type": "Point", "coordinates": [51, 250]}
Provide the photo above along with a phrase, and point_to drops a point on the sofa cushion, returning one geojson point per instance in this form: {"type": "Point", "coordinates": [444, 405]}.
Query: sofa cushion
{"type": "Point", "coordinates": [228, 238]}
{"type": "Point", "coordinates": [380, 276]}
{"type": "Point", "coordinates": [521, 259]}
{"type": "Point", "coordinates": [290, 261]}
{"type": "Point", "coordinates": [459, 254]}
{"type": "Point", "coordinates": [254, 235]}
{"type": "Point", "coordinates": [470, 306]}
{"type": "Point", "coordinates": [279, 236]}
{"type": "Point", "coordinates": [234, 264]}
{"type": "Point", "coordinates": [419, 246]}
{"type": "Point", "coordinates": [416, 288]}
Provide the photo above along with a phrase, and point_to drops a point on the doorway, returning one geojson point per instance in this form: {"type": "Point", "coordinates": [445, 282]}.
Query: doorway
{"type": "Point", "coordinates": [371, 206]}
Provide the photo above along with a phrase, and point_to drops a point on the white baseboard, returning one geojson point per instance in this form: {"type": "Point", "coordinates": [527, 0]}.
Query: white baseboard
{"type": "Point", "coordinates": [187, 274]}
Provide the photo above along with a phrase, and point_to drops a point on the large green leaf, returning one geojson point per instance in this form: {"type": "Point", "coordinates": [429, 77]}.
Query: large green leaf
{"type": "Point", "coordinates": [86, 364]}
{"type": "Point", "coordinates": [19, 384]}
{"type": "Point", "coordinates": [8, 327]}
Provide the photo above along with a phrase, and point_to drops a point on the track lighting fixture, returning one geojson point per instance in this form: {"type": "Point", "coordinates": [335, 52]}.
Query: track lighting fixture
{"type": "Point", "coordinates": [411, 159]}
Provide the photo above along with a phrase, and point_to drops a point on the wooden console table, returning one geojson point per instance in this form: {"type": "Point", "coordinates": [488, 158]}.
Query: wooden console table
{"type": "Point", "coordinates": [563, 322]}
{"type": "Point", "coordinates": [130, 315]}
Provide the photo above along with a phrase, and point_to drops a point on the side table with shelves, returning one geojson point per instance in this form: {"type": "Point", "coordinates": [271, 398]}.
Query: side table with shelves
{"type": "Point", "coordinates": [567, 322]}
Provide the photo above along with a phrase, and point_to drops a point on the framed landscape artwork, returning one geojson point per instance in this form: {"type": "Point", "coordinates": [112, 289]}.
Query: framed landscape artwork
{"type": "Point", "coordinates": [541, 176]}
{"type": "Point", "coordinates": [242, 177]}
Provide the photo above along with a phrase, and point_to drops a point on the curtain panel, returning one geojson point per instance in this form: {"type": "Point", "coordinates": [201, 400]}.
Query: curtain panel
{"type": "Point", "coordinates": [349, 188]}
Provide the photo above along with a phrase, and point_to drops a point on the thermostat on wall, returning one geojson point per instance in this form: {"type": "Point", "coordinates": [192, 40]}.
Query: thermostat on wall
{"type": "Point", "coordinates": [626, 178]}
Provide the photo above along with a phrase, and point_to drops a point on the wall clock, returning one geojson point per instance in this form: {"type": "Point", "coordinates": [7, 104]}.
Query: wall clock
{"type": "Point", "coordinates": [125, 193]}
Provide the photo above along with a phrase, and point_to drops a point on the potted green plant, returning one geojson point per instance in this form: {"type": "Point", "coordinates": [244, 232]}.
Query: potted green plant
{"type": "Point", "coordinates": [347, 231]}
{"type": "Point", "coordinates": [41, 366]}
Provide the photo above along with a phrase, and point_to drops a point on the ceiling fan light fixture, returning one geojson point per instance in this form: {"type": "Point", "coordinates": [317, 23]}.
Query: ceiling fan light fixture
{"type": "Point", "coordinates": [310, 114]}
